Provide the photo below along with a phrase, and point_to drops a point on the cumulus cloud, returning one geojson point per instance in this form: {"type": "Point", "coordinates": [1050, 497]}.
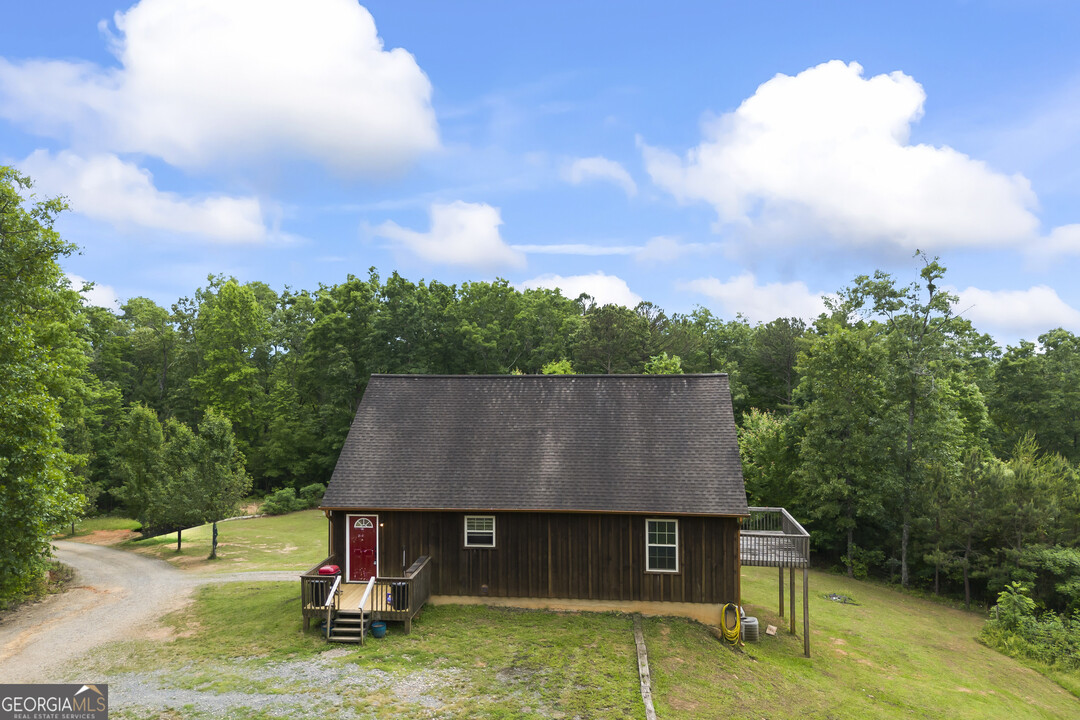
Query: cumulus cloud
{"type": "Point", "coordinates": [99, 295]}
{"type": "Point", "coordinates": [104, 187]}
{"type": "Point", "coordinates": [461, 233]}
{"type": "Point", "coordinates": [599, 168]}
{"type": "Point", "coordinates": [1016, 313]}
{"type": "Point", "coordinates": [202, 81]}
{"type": "Point", "coordinates": [605, 289]}
{"type": "Point", "coordinates": [1061, 241]}
{"type": "Point", "coordinates": [827, 152]}
{"type": "Point", "coordinates": [760, 303]}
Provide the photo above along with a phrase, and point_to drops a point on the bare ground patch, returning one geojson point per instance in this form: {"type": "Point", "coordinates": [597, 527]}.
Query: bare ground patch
{"type": "Point", "coordinates": [106, 537]}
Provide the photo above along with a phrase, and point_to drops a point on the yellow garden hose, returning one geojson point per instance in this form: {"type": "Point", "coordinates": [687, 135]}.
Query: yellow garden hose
{"type": "Point", "coordinates": [732, 633]}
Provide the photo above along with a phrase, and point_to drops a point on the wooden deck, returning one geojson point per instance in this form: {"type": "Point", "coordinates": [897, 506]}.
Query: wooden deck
{"type": "Point", "coordinates": [327, 599]}
{"type": "Point", "coordinates": [770, 537]}
{"type": "Point", "coordinates": [772, 549]}
{"type": "Point", "coordinates": [351, 593]}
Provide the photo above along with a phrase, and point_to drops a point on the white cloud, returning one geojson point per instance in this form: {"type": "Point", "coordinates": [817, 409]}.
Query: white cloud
{"type": "Point", "coordinates": [104, 187]}
{"type": "Point", "coordinates": [826, 152]}
{"type": "Point", "coordinates": [579, 249]}
{"type": "Point", "coordinates": [461, 234]}
{"type": "Point", "coordinates": [760, 303]}
{"type": "Point", "coordinates": [99, 295]}
{"type": "Point", "coordinates": [664, 248]}
{"type": "Point", "coordinates": [1062, 240]}
{"type": "Point", "coordinates": [204, 81]}
{"type": "Point", "coordinates": [600, 168]}
{"type": "Point", "coordinates": [661, 248]}
{"type": "Point", "coordinates": [1016, 313]}
{"type": "Point", "coordinates": [605, 289]}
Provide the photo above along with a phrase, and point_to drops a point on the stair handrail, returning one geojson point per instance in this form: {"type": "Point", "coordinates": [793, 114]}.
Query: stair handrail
{"type": "Point", "coordinates": [363, 602]}
{"type": "Point", "coordinates": [331, 603]}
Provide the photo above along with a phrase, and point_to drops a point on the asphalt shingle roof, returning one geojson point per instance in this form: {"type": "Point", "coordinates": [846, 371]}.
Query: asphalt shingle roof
{"type": "Point", "coordinates": [591, 443]}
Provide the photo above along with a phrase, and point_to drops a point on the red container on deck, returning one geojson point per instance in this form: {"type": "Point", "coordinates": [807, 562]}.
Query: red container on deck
{"type": "Point", "coordinates": [329, 570]}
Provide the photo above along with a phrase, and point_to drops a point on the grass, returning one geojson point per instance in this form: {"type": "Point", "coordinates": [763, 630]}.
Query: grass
{"type": "Point", "coordinates": [893, 655]}
{"type": "Point", "coordinates": [890, 656]}
{"type": "Point", "coordinates": [282, 542]}
{"type": "Point", "coordinates": [90, 525]}
{"type": "Point", "coordinates": [472, 661]}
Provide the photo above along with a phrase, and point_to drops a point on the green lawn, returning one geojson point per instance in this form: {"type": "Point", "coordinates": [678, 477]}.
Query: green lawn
{"type": "Point", "coordinates": [891, 656]}
{"type": "Point", "coordinates": [281, 542]}
{"type": "Point", "coordinates": [94, 524]}
{"type": "Point", "coordinates": [244, 640]}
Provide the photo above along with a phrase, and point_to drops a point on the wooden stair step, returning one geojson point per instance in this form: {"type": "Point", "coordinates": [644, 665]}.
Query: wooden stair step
{"type": "Point", "coordinates": [344, 638]}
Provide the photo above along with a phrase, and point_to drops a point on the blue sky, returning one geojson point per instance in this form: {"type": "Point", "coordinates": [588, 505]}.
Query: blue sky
{"type": "Point", "coordinates": [742, 156]}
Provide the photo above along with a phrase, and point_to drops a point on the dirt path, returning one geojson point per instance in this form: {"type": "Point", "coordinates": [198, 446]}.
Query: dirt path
{"type": "Point", "coordinates": [116, 595]}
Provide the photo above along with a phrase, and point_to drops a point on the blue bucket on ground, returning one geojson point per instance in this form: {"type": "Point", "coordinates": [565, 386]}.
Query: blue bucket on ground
{"type": "Point", "coordinates": [378, 629]}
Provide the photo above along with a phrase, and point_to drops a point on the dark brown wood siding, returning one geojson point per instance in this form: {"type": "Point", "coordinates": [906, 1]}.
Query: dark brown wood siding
{"type": "Point", "coordinates": [559, 555]}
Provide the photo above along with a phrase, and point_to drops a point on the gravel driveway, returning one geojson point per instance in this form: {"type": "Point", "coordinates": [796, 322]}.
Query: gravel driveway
{"type": "Point", "coordinates": [115, 595]}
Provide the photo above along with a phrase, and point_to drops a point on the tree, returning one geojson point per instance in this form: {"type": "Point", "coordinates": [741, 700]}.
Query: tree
{"type": "Point", "coordinates": [558, 367]}
{"type": "Point", "coordinates": [40, 358]}
{"type": "Point", "coordinates": [769, 460]}
{"type": "Point", "coordinates": [221, 478]}
{"type": "Point", "coordinates": [234, 328]}
{"type": "Point", "coordinates": [139, 461]}
{"type": "Point", "coordinates": [919, 326]}
{"type": "Point", "coordinates": [175, 501]}
{"type": "Point", "coordinates": [770, 365]}
{"type": "Point", "coordinates": [1037, 390]}
{"type": "Point", "coordinates": [663, 365]}
{"type": "Point", "coordinates": [849, 431]}
{"type": "Point", "coordinates": [612, 339]}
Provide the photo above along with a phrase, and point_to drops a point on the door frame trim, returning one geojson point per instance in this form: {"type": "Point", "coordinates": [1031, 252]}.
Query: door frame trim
{"type": "Point", "coordinates": [348, 544]}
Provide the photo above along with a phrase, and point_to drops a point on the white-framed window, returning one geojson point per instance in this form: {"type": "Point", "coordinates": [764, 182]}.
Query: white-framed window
{"type": "Point", "coordinates": [480, 531]}
{"type": "Point", "coordinates": [661, 545]}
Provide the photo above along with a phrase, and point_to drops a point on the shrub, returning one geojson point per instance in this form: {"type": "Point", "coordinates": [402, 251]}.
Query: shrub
{"type": "Point", "coordinates": [286, 501]}
{"type": "Point", "coordinates": [281, 502]}
{"type": "Point", "coordinates": [1015, 630]}
{"type": "Point", "coordinates": [311, 495]}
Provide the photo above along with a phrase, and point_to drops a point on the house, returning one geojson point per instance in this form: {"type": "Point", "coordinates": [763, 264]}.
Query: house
{"type": "Point", "coordinates": [564, 491]}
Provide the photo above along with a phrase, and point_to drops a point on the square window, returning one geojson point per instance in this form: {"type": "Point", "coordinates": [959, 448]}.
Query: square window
{"type": "Point", "coordinates": [662, 545]}
{"type": "Point", "coordinates": [480, 531]}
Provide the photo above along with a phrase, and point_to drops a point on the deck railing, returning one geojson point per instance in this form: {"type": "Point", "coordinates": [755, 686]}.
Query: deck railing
{"type": "Point", "coordinates": [401, 598]}
{"type": "Point", "coordinates": [391, 598]}
{"type": "Point", "coordinates": [315, 590]}
{"type": "Point", "coordinates": [770, 537]}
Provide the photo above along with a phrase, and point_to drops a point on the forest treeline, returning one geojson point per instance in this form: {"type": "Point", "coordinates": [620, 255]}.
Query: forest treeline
{"type": "Point", "coordinates": [910, 445]}
{"type": "Point", "coordinates": [908, 442]}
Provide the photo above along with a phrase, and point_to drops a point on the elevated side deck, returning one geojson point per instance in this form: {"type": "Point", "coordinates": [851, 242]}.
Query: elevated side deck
{"type": "Point", "coordinates": [770, 537]}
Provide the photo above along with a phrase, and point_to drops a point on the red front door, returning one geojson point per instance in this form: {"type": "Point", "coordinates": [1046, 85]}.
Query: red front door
{"type": "Point", "coordinates": [363, 547]}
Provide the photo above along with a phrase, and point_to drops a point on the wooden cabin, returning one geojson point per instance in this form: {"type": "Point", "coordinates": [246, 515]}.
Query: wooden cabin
{"type": "Point", "coordinates": [600, 492]}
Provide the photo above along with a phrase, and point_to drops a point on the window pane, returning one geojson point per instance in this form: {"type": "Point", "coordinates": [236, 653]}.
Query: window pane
{"type": "Point", "coordinates": [661, 558]}
{"type": "Point", "coordinates": [480, 523]}
{"type": "Point", "coordinates": [662, 532]}
{"type": "Point", "coordinates": [480, 538]}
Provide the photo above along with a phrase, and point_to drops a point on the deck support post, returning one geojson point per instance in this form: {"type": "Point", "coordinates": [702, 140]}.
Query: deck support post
{"type": "Point", "coordinates": [805, 610]}
{"type": "Point", "coordinates": [781, 591]}
{"type": "Point", "coordinates": [792, 603]}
